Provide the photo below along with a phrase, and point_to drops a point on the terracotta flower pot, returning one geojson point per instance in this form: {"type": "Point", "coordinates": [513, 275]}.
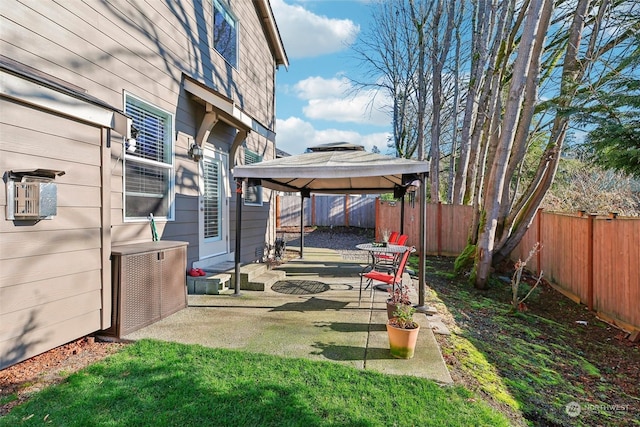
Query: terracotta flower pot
{"type": "Point", "coordinates": [402, 342]}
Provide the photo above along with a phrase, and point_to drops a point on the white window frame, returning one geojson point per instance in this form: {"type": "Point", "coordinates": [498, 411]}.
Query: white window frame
{"type": "Point", "coordinates": [251, 157]}
{"type": "Point", "coordinates": [223, 7]}
{"type": "Point", "coordinates": [168, 166]}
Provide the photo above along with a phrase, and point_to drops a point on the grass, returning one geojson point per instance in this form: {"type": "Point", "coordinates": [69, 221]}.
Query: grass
{"type": "Point", "coordinates": [166, 384]}
{"type": "Point", "coordinates": [532, 364]}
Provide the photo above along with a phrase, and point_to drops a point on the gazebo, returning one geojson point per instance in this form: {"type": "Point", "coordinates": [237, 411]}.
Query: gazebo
{"type": "Point", "coordinates": [337, 168]}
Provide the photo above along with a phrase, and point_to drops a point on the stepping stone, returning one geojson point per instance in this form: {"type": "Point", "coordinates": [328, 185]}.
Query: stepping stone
{"type": "Point", "coordinates": [437, 326]}
{"type": "Point", "coordinates": [211, 284]}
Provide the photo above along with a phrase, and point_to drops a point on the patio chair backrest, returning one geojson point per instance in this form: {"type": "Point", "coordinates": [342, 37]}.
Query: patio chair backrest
{"type": "Point", "coordinates": [394, 237]}
{"type": "Point", "coordinates": [402, 265]}
{"type": "Point", "coordinates": [402, 239]}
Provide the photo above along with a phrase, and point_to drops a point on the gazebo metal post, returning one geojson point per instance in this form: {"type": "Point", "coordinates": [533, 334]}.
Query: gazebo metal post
{"type": "Point", "coordinates": [301, 223]}
{"type": "Point", "coordinates": [238, 235]}
{"type": "Point", "coordinates": [402, 215]}
{"type": "Point", "coordinates": [422, 243]}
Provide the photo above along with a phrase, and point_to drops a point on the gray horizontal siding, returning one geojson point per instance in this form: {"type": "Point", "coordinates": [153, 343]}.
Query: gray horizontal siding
{"type": "Point", "coordinates": [51, 270]}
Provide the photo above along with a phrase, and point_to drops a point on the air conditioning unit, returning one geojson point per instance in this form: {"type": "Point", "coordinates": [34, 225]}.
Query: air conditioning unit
{"type": "Point", "coordinates": [32, 197]}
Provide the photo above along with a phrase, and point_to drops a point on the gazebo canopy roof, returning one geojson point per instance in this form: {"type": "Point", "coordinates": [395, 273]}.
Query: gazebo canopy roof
{"type": "Point", "coordinates": [340, 168]}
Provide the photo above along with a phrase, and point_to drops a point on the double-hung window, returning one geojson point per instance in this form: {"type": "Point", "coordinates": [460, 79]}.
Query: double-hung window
{"type": "Point", "coordinates": [225, 33]}
{"type": "Point", "coordinates": [148, 169]}
{"type": "Point", "coordinates": [253, 191]}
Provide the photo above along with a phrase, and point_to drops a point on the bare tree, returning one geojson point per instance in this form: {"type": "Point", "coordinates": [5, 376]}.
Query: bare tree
{"type": "Point", "coordinates": [441, 29]}
{"type": "Point", "coordinates": [483, 26]}
{"type": "Point", "coordinates": [456, 83]}
{"type": "Point", "coordinates": [388, 54]}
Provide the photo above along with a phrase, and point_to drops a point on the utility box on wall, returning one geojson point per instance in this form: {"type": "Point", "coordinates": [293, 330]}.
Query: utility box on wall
{"type": "Point", "coordinates": [32, 195]}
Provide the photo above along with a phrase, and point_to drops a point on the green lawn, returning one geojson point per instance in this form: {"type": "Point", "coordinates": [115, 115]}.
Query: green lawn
{"type": "Point", "coordinates": [153, 383]}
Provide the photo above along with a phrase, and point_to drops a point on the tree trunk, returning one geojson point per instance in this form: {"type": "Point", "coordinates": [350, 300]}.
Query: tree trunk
{"type": "Point", "coordinates": [483, 26]}
{"type": "Point", "coordinates": [572, 73]}
{"type": "Point", "coordinates": [497, 173]}
{"type": "Point", "coordinates": [456, 95]}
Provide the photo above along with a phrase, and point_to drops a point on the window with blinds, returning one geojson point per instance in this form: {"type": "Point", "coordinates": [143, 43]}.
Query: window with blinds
{"type": "Point", "coordinates": [212, 198]}
{"type": "Point", "coordinates": [148, 171]}
{"type": "Point", "coordinates": [253, 191]}
{"type": "Point", "coordinates": [225, 33]}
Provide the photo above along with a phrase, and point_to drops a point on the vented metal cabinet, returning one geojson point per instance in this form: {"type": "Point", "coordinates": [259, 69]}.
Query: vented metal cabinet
{"type": "Point", "coordinates": [149, 284]}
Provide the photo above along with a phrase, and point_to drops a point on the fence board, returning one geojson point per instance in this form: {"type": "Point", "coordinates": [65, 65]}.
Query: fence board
{"type": "Point", "coordinates": [289, 215]}
{"type": "Point", "coordinates": [361, 211]}
{"type": "Point", "coordinates": [528, 241]}
{"type": "Point", "coordinates": [564, 256]}
{"type": "Point", "coordinates": [327, 210]}
{"type": "Point", "coordinates": [617, 271]}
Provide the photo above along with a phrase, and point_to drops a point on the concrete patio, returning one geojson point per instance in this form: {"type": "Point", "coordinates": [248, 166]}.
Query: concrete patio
{"type": "Point", "coordinates": [312, 314]}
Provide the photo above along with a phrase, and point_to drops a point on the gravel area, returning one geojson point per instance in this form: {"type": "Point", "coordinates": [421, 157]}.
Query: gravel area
{"type": "Point", "coordinates": [340, 239]}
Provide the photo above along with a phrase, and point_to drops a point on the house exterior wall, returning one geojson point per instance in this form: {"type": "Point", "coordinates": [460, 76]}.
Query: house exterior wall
{"type": "Point", "coordinates": [144, 48]}
{"type": "Point", "coordinates": [51, 275]}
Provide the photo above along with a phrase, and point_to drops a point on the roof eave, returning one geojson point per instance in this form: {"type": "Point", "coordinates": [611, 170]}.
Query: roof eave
{"type": "Point", "coordinates": [271, 28]}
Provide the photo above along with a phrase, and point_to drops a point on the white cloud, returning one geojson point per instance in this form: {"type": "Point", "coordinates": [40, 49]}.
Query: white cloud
{"type": "Point", "coordinates": [332, 99]}
{"type": "Point", "coordinates": [294, 136]}
{"type": "Point", "coordinates": [306, 34]}
{"type": "Point", "coordinates": [318, 87]}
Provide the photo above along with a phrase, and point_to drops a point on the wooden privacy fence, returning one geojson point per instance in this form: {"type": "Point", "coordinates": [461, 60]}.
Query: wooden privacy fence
{"type": "Point", "coordinates": [447, 225]}
{"type": "Point", "coordinates": [591, 259]}
{"type": "Point", "coordinates": [327, 210]}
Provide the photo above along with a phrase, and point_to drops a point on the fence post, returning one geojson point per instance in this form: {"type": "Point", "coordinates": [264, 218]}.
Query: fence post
{"type": "Point", "coordinates": [539, 239]}
{"type": "Point", "coordinates": [590, 262]}
{"type": "Point", "coordinates": [346, 210]}
{"type": "Point", "coordinates": [439, 228]}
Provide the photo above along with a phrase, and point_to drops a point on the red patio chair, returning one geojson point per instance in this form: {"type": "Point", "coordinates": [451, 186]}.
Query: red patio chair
{"type": "Point", "coordinates": [388, 278]}
{"type": "Point", "coordinates": [394, 237]}
{"type": "Point", "coordinates": [387, 262]}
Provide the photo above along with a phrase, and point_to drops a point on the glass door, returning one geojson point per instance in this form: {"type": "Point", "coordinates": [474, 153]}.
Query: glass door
{"type": "Point", "coordinates": [213, 205]}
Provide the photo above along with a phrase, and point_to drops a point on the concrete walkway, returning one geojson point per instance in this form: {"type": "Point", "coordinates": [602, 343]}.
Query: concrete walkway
{"type": "Point", "coordinates": [313, 314]}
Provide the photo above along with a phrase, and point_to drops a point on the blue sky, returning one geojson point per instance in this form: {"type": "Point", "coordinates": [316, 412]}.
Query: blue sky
{"type": "Point", "coordinates": [313, 104]}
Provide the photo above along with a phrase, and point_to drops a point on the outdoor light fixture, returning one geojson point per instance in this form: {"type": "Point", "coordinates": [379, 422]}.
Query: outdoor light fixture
{"type": "Point", "coordinates": [130, 140]}
{"type": "Point", "coordinates": [195, 152]}
{"type": "Point", "coordinates": [413, 186]}
{"type": "Point", "coordinates": [411, 182]}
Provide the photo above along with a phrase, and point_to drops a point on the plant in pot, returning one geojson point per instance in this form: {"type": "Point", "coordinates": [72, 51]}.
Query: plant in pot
{"type": "Point", "coordinates": [398, 295]}
{"type": "Point", "coordinates": [403, 332]}
{"type": "Point", "coordinates": [385, 234]}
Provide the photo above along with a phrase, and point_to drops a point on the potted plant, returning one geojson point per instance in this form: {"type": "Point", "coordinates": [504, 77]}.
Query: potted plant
{"type": "Point", "coordinates": [398, 295]}
{"type": "Point", "coordinates": [403, 332]}
{"type": "Point", "coordinates": [385, 233]}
